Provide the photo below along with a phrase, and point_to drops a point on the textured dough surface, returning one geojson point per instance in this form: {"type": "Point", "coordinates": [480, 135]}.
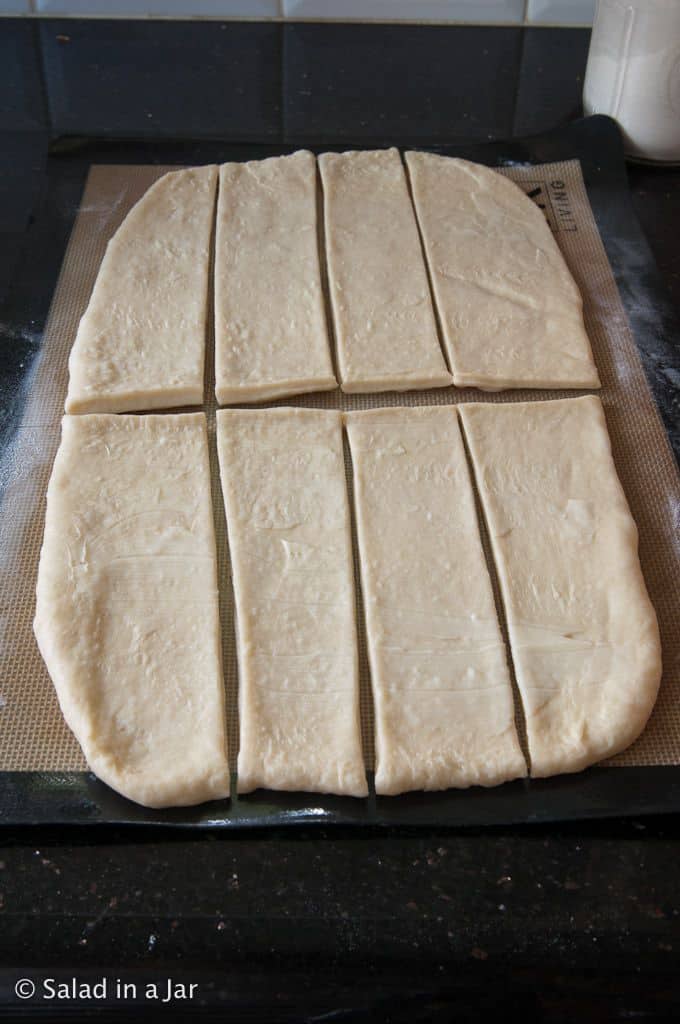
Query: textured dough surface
{"type": "Point", "coordinates": [385, 330]}
{"type": "Point", "coordinates": [288, 522]}
{"type": "Point", "coordinates": [127, 614]}
{"type": "Point", "coordinates": [510, 311]}
{"type": "Point", "coordinates": [141, 342]}
{"type": "Point", "coordinates": [443, 700]}
{"type": "Point", "coordinates": [583, 632]}
{"type": "Point", "coordinates": [271, 337]}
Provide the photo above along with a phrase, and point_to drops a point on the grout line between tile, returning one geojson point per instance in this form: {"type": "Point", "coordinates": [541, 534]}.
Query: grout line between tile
{"type": "Point", "coordinates": [518, 80]}
{"type": "Point", "coordinates": [526, 22]}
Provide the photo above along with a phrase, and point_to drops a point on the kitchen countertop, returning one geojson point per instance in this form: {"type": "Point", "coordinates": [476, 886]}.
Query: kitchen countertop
{"type": "Point", "coordinates": [406, 924]}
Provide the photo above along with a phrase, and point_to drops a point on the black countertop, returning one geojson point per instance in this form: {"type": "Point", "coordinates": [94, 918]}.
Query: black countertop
{"type": "Point", "coordinates": [555, 922]}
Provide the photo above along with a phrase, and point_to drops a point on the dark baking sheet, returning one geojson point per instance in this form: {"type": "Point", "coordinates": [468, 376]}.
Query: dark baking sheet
{"type": "Point", "coordinates": [80, 798]}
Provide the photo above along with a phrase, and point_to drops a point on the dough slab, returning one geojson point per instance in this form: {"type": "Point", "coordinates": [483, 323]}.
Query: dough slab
{"type": "Point", "coordinates": [141, 343]}
{"type": "Point", "coordinates": [271, 337]}
{"type": "Point", "coordinates": [127, 609]}
{"type": "Point", "coordinates": [287, 511]}
{"type": "Point", "coordinates": [385, 330]}
{"type": "Point", "coordinates": [583, 632]}
{"type": "Point", "coordinates": [510, 311]}
{"type": "Point", "coordinates": [443, 699]}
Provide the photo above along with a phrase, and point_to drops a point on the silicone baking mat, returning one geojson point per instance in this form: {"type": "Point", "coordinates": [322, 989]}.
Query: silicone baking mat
{"type": "Point", "coordinates": [33, 736]}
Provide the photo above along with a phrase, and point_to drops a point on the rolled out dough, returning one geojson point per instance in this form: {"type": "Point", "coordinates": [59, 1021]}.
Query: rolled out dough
{"type": "Point", "coordinates": [141, 343]}
{"type": "Point", "coordinates": [510, 311]}
{"type": "Point", "coordinates": [385, 330]}
{"type": "Point", "coordinates": [583, 632]}
{"type": "Point", "coordinates": [271, 337]}
{"type": "Point", "coordinates": [289, 535]}
{"type": "Point", "coordinates": [127, 608]}
{"type": "Point", "coordinates": [443, 700]}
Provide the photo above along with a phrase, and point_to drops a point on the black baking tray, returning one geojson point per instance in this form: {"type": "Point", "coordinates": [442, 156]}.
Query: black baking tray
{"type": "Point", "coordinates": [55, 798]}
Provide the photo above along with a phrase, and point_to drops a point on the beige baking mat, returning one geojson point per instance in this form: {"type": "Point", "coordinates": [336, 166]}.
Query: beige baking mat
{"type": "Point", "coordinates": [33, 735]}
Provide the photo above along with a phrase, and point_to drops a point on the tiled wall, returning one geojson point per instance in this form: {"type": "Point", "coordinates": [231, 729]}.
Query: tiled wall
{"type": "Point", "coordinates": [287, 82]}
{"type": "Point", "coordinates": [505, 12]}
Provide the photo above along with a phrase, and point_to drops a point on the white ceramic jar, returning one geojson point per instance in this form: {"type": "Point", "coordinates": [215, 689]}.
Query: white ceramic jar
{"type": "Point", "coordinates": [633, 74]}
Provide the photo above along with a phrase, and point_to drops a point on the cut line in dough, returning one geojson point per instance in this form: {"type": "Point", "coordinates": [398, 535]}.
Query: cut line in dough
{"type": "Point", "coordinates": [287, 510]}
{"type": "Point", "coordinates": [510, 312]}
{"type": "Point", "coordinates": [444, 709]}
{"type": "Point", "coordinates": [141, 342]}
{"type": "Point", "coordinates": [583, 633]}
{"type": "Point", "coordinates": [127, 616]}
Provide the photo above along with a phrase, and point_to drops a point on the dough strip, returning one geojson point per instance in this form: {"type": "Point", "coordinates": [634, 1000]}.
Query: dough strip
{"type": "Point", "coordinates": [287, 510]}
{"type": "Point", "coordinates": [583, 633]}
{"type": "Point", "coordinates": [442, 693]}
{"type": "Point", "coordinates": [127, 616]}
{"type": "Point", "coordinates": [141, 342]}
{"type": "Point", "coordinates": [510, 312]}
{"type": "Point", "coordinates": [385, 329]}
{"type": "Point", "coordinates": [271, 337]}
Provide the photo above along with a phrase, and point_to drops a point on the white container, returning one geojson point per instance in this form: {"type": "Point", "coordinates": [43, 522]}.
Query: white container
{"type": "Point", "coordinates": [633, 74]}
